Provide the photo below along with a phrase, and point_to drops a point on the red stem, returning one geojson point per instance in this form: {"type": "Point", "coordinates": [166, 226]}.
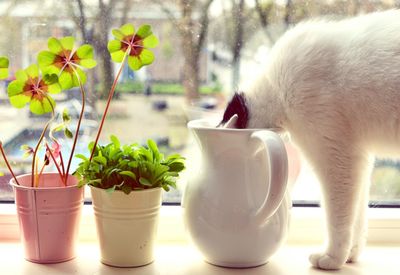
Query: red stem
{"type": "Point", "coordinates": [7, 163]}
{"type": "Point", "coordinates": [77, 127]}
{"type": "Point", "coordinates": [62, 164]}
{"type": "Point", "coordinates": [110, 96]}
{"type": "Point", "coordinates": [40, 173]}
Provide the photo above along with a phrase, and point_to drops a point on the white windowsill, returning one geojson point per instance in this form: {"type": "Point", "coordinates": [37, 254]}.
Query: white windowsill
{"type": "Point", "coordinates": [184, 259]}
{"type": "Point", "coordinates": [307, 225]}
{"type": "Point", "coordinates": [176, 255]}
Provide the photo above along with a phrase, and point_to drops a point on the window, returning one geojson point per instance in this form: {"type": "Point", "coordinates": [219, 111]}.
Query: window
{"type": "Point", "coordinates": [222, 42]}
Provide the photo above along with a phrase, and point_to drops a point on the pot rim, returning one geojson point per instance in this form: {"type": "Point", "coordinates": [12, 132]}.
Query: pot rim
{"type": "Point", "coordinates": [14, 184]}
{"type": "Point", "coordinates": [133, 191]}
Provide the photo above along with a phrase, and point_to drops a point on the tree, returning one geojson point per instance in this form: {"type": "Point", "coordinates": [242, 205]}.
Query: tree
{"type": "Point", "coordinates": [94, 30]}
{"type": "Point", "coordinates": [238, 22]}
{"type": "Point", "coordinates": [264, 10]}
{"type": "Point", "coordinates": [192, 26]}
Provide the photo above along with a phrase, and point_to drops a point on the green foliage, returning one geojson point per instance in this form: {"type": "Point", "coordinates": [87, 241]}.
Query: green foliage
{"type": "Point", "coordinates": [29, 87]}
{"type": "Point", "coordinates": [129, 167]}
{"type": "Point", "coordinates": [385, 183]}
{"type": "Point", "coordinates": [165, 88]}
{"type": "Point", "coordinates": [63, 60]}
{"type": "Point", "coordinates": [134, 45]}
{"type": "Point", "coordinates": [4, 63]}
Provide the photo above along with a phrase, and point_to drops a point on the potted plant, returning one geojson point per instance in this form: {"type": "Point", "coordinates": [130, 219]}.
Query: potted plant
{"type": "Point", "coordinates": [49, 203]}
{"type": "Point", "coordinates": [126, 181]}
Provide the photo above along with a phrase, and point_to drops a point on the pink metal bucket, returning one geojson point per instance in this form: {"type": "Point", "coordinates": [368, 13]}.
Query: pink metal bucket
{"type": "Point", "coordinates": [49, 217]}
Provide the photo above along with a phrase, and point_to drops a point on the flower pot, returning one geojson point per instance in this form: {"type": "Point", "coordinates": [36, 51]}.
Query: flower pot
{"type": "Point", "coordinates": [126, 225]}
{"type": "Point", "coordinates": [49, 217]}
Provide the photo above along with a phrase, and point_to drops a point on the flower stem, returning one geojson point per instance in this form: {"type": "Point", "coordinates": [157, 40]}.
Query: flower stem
{"type": "Point", "coordinates": [110, 96]}
{"type": "Point", "coordinates": [7, 163]}
{"type": "Point", "coordinates": [77, 127]}
{"type": "Point", "coordinates": [40, 173]}
{"type": "Point", "coordinates": [39, 142]}
{"type": "Point", "coordinates": [62, 164]}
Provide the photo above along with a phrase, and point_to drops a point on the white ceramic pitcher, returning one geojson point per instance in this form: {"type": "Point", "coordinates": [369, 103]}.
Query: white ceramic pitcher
{"type": "Point", "coordinates": [236, 207]}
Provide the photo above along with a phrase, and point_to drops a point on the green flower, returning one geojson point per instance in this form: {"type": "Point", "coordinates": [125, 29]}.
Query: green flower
{"type": "Point", "coordinates": [3, 67]}
{"type": "Point", "coordinates": [134, 45]}
{"type": "Point", "coordinates": [62, 59]}
{"type": "Point", "coordinates": [29, 87]}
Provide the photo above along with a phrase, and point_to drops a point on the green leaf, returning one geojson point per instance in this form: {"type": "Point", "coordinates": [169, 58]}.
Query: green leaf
{"type": "Point", "coordinates": [19, 101]}
{"type": "Point", "coordinates": [113, 46]}
{"type": "Point", "coordinates": [115, 141]}
{"type": "Point", "coordinates": [58, 127]}
{"type": "Point", "coordinates": [68, 42]}
{"type": "Point", "coordinates": [166, 188]}
{"type": "Point", "coordinates": [94, 182]}
{"type": "Point", "coordinates": [3, 73]}
{"type": "Point", "coordinates": [45, 59]}
{"type": "Point", "coordinates": [133, 164]}
{"type": "Point", "coordinates": [134, 63]}
{"type": "Point", "coordinates": [144, 31]}
{"type": "Point", "coordinates": [40, 107]}
{"type": "Point", "coordinates": [54, 88]}
{"type": "Point", "coordinates": [21, 76]}
{"type": "Point", "coordinates": [79, 76]}
{"type": "Point", "coordinates": [68, 133]}
{"type": "Point", "coordinates": [144, 181]}
{"type": "Point", "coordinates": [176, 167]}
{"type": "Point", "coordinates": [150, 41]}
{"type": "Point", "coordinates": [85, 51]}
{"type": "Point", "coordinates": [118, 56]}
{"type": "Point", "coordinates": [65, 80]}
{"type": "Point", "coordinates": [153, 147]}
{"type": "Point", "coordinates": [88, 63]}
{"type": "Point", "coordinates": [50, 79]}
{"type": "Point", "coordinates": [54, 45]}
{"type": "Point", "coordinates": [146, 56]}
{"type": "Point", "coordinates": [118, 34]}
{"type": "Point", "coordinates": [129, 174]}
{"type": "Point", "coordinates": [4, 63]}
{"type": "Point", "coordinates": [127, 29]}
{"type": "Point", "coordinates": [65, 116]}
{"type": "Point", "coordinates": [15, 88]}
{"type": "Point", "coordinates": [100, 159]}
{"type": "Point", "coordinates": [111, 189]}
{"type": "Point", "coordinates": [82, 157]}
{"type": "Point", "coordinates": [32, 71]}
{"type": "Point", "coordinates": [126, 188]}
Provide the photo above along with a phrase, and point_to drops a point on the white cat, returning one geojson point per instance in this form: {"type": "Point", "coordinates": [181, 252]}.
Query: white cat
{"type": "Point", "coordinates": [335, 87]}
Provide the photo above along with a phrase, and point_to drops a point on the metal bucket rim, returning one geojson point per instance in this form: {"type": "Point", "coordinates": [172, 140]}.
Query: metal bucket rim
{"type": "Point", "coordinates": [17, 186]}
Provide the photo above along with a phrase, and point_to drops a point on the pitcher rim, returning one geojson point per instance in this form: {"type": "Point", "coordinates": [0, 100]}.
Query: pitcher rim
{"type": "Point", "coordinates": [196, 124]}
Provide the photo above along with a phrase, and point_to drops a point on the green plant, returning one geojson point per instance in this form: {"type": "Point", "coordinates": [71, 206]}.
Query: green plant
{"type": "Point", "coordinates": [129, 167]}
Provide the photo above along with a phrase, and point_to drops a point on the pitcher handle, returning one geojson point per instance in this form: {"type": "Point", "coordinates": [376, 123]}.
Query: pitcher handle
{"type": "Point", "coordinates": [277, 173]}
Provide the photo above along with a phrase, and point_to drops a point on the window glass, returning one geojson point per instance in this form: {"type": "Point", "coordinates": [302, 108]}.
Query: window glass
{"type": "Point", "coordinates": [207, 48]}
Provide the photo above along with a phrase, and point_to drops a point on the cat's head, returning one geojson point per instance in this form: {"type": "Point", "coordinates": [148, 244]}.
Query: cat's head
{"type": "Point", "coordinates": [237, 105]}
